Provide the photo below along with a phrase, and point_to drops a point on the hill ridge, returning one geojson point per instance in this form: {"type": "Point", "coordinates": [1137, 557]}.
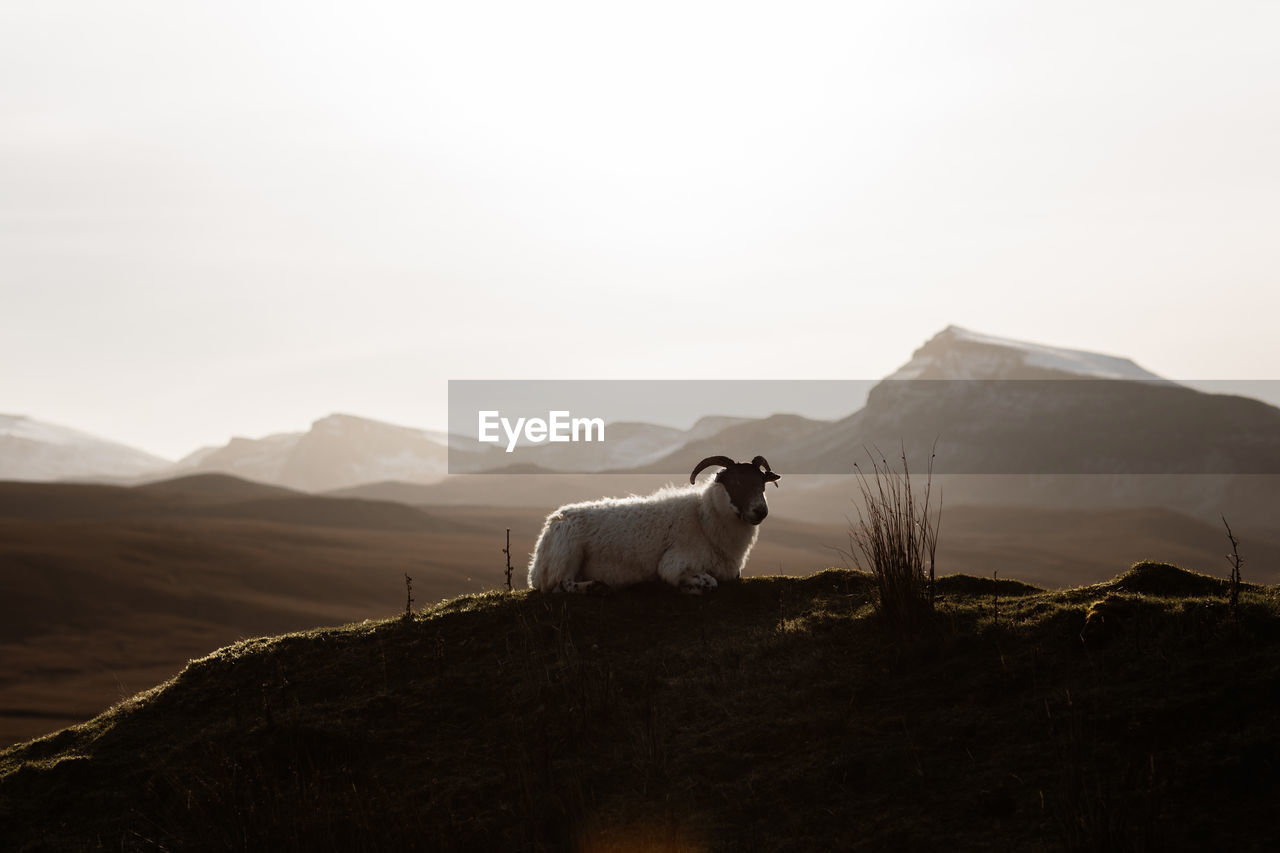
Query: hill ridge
{"type": "Point", "coordinates": [523, 721]}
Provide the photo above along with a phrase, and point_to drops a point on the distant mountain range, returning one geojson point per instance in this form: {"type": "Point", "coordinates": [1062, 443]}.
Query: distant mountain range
{"type": "Point", "coordinates": [39, 451]}
{"type": "Point", "coordinates": [339, 450]}
{"type": "Point", "coordinates": [994, 406]}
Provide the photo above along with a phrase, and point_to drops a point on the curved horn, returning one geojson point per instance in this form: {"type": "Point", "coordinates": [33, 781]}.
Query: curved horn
{"type": "Point", "coordinates": [769, 476]}
{"type": "Point", "coordinates": [724, 461]}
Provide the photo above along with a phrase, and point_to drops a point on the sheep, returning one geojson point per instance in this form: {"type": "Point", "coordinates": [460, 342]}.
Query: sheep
{"type": "Point", "coordinates": [693, 537]}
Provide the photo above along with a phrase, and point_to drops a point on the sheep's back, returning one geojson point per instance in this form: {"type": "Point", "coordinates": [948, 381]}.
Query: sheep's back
{"type": "Point", "coordinates": [630, 534]}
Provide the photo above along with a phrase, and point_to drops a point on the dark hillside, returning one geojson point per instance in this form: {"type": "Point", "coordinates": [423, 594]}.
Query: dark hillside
{"type": "Point", "coordinates": [772, 715]}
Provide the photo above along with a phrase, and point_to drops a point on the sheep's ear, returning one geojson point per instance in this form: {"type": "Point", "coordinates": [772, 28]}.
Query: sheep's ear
{"type": "Point", "coordinates": [772, 478]}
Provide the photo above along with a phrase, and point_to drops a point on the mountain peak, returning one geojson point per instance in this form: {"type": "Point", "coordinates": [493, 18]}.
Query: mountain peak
{"type": "Point", "coordinates": [960, 353]}
{"type": "Point", "coordinates": [338, 420]}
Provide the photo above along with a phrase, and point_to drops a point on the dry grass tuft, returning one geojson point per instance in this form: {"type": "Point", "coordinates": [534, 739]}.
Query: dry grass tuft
{"type": "Point", "coordinates": [895, 538]}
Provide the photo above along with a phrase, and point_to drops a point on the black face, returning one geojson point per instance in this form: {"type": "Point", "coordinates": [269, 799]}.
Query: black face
{"type": "Point", "coordinates": [745, 482]}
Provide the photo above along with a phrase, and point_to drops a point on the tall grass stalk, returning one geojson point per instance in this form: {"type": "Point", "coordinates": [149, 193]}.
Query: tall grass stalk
{"type": "Point", "coordinates": [1236, 561]}
{"type": "Point", "coordinates": [895, 537]}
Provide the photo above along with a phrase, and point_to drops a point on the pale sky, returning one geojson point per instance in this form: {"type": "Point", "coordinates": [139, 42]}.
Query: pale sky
{"type": "Point", "coordinates": [235, 218]}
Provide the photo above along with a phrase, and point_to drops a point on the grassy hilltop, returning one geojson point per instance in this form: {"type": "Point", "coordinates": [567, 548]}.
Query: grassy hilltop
{"type": "Point", "coordinates": [775, 714]}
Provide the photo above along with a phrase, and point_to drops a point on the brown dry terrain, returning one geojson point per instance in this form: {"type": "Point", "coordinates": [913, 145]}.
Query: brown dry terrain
{"type": "Point", "coordinates": [105, 591]}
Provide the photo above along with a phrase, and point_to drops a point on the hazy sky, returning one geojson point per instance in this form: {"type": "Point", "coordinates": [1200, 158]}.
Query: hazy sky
{"type": "Point", "coordinates": [229, 218]}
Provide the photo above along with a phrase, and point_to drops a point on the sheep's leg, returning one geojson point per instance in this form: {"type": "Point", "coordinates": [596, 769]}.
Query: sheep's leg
{"type": "Point", "coordinates": [588, 587]}
{"type": "Point", "coordinates": [682, 572]}
{"type": "Point", "coordinates": [696, 584]}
